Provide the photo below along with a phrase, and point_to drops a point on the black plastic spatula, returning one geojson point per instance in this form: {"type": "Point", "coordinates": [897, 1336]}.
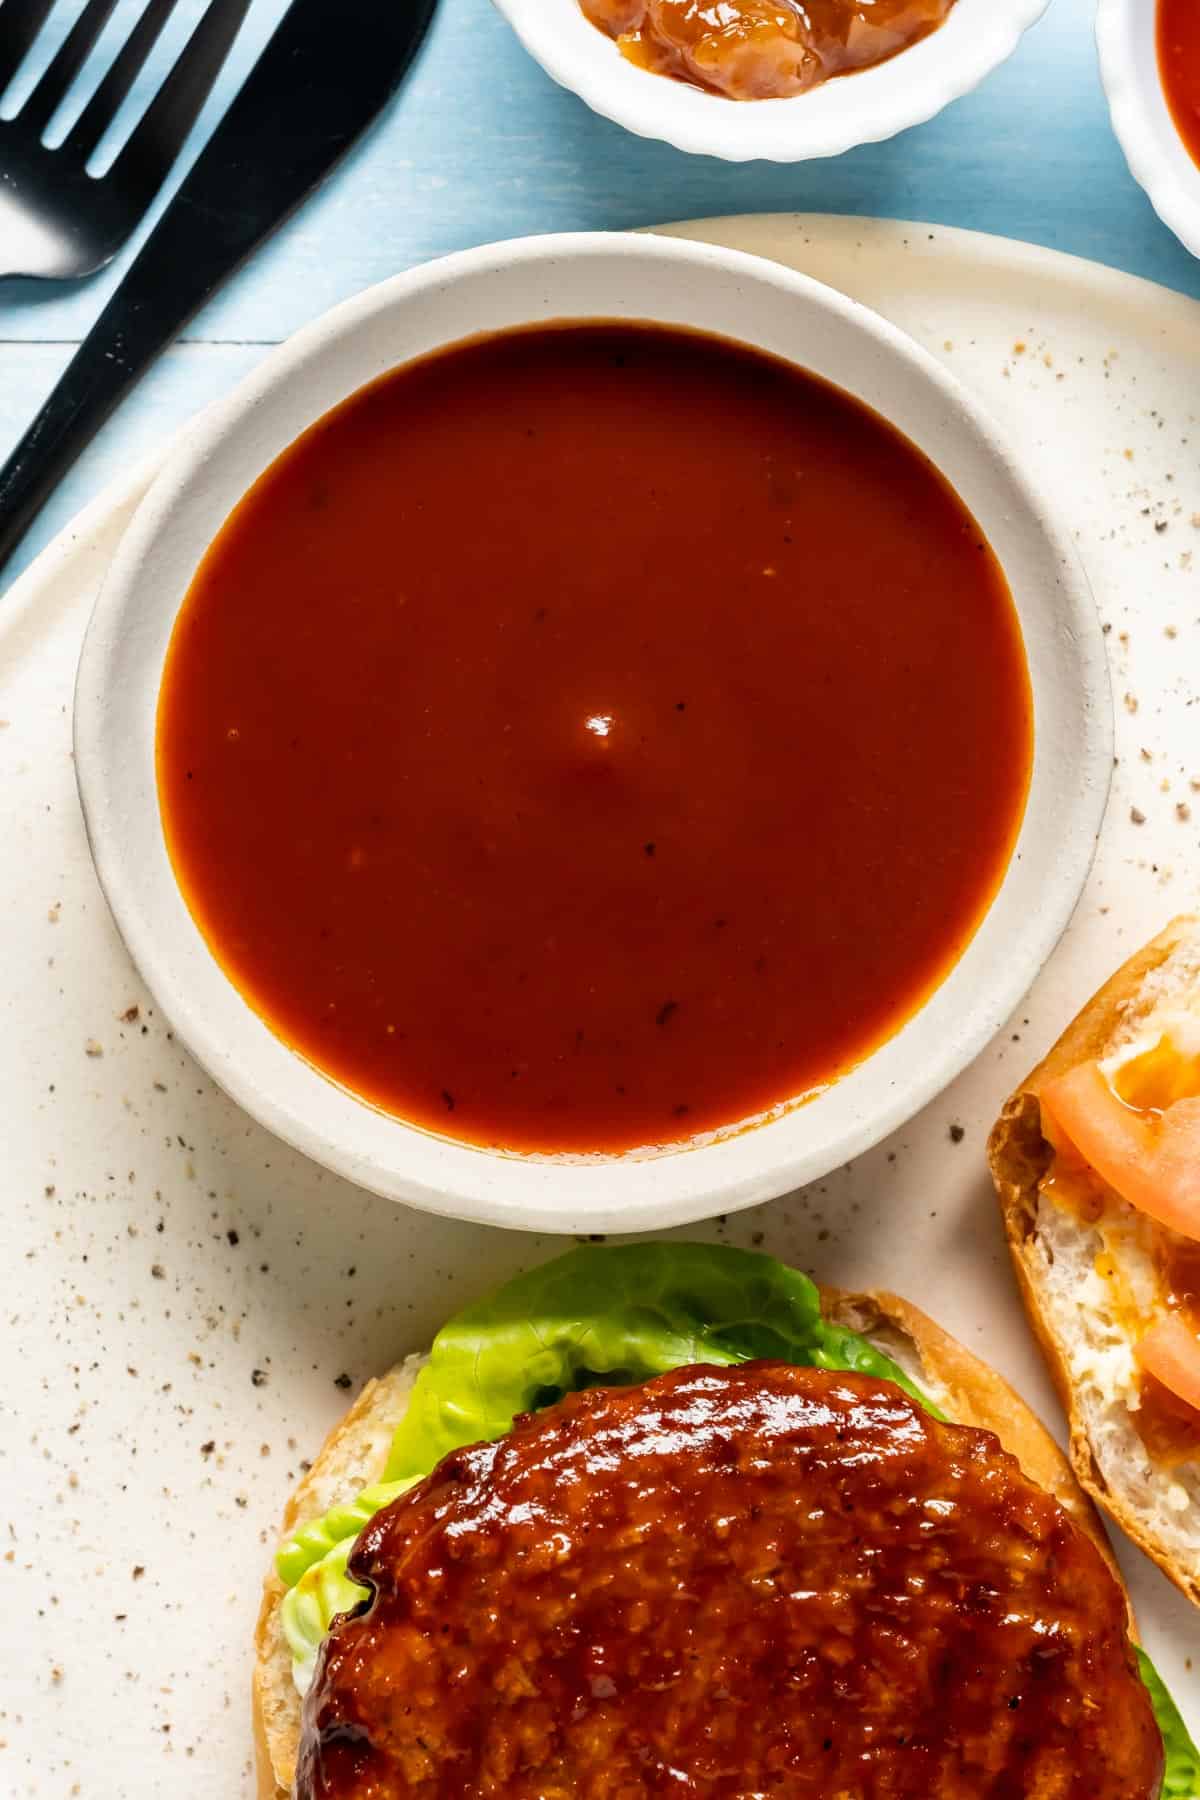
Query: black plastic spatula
{"type": "Point", "coordinates": [328, 70]}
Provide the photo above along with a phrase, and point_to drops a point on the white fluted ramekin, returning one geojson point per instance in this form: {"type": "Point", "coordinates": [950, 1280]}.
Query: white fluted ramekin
{"type": "Point", "coordinates": [855, 109]}
{"type": "Point", "coordinates": [1126, 38]}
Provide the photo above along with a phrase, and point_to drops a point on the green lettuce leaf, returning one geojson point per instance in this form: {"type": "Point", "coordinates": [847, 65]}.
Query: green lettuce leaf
{"type": "Point", "coordinates": [309, 1609]}
{"type": "Point", "coordinates": [322, 1589]}
{"type": "Point", "coordinates": [1181, 1780]}
{"type": "Point", "coordinates": [317, 1537]}
{"type": "Point", "coordinates": [607, 1315]}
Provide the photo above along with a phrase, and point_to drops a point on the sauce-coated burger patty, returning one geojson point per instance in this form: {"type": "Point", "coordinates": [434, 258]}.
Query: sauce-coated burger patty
{"type": "Point", "coordinates": [731, 1582]}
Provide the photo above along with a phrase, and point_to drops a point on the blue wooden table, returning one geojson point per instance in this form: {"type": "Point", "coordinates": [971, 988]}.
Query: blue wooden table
{"type": "Point", "coordinates": [481, 145]}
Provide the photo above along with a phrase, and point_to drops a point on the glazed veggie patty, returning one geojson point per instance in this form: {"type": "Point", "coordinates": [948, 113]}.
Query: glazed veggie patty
{"type": "Point", "coordinates": [731, 1581]}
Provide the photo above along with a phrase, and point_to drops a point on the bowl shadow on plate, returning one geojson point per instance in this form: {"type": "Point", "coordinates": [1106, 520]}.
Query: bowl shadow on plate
{"type": "Point", "coordinates": [332, 1280]}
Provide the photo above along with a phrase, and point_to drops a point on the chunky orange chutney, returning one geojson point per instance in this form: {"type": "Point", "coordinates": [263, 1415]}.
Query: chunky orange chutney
{"type": "Point", "coordinates": [763, 49]}
{"type": "Point", "coordinates": [591, 736]}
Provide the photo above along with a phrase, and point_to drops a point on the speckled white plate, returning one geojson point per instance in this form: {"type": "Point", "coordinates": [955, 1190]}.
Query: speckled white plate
{"type": "Point", "coordinates": [183, 1294]}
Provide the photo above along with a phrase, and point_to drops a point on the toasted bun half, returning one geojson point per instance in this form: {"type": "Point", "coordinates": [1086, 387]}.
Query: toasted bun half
{"type": "Point", "coordinates": [351, 1458]}
{"type": "Point", "coordinates": [1087, 1324]}
{"type": "Point", "coordinates": [355, 1452]}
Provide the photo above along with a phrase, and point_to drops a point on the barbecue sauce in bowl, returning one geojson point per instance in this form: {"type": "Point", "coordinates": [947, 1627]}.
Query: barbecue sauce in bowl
{"type": "Point", "coordinates": [593, 736]}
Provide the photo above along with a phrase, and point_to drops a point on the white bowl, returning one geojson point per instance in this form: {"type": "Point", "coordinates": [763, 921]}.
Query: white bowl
{"type": "Point", "coordinates": [587, 276]}
{"type": "Point", "coordinates": [854, 109]}
{"type": "Point", "coordinates": [1126, 40]}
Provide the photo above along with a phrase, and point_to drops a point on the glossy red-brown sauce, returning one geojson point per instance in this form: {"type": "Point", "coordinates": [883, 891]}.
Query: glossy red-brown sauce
{"type": "Point", "coordinates": [731, 1583]}
{"type": "Point", "coordinates": [593, 736]}
{"type": "Point", "coordinates": [1179, 68]}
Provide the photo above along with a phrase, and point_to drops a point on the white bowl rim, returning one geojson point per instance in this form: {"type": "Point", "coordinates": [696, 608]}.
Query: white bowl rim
{"type": "Point", "coordinates": [603, 1193]}
{"type": "Point", "coordinates": [1141, 119]}
{"type": "Point", "coordinates": [863, 108]}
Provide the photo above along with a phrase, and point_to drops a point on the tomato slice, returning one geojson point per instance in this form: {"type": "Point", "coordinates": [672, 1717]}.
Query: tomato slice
{"type": "Point", "coordinates": [1152, 1159]}
{"type": "Point", "coordinates": [1170, 1351]}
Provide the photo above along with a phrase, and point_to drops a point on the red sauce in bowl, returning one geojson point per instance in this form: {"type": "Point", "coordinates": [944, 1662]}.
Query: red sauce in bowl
{"type": "Point", "coordinates": [1179, 68]}
{"type": "Point", "coordinates": [592, 736]}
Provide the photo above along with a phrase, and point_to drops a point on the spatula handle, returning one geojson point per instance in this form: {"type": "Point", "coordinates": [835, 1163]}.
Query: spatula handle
{"type": "Point", "coordinates": [123, 342]}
